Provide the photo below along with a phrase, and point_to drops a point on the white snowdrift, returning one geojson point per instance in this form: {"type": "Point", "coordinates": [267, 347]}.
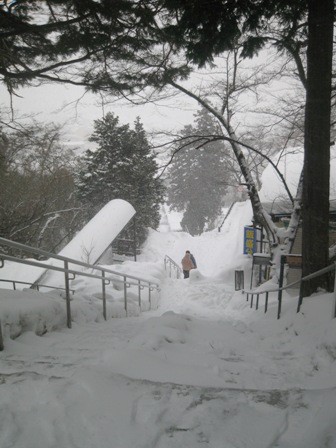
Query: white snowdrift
{"type": "Point", "coordinates": [203, 370]}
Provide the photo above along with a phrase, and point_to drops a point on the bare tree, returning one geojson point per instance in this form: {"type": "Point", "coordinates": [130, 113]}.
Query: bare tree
{"type": "Point", "coordinates": [37, 200]}
{"type": "Point", "coordinates": [227, 91]}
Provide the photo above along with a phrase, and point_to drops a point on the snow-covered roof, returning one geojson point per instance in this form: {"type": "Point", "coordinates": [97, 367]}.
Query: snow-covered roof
{"type": "Point", "coordinates": [280, 208]}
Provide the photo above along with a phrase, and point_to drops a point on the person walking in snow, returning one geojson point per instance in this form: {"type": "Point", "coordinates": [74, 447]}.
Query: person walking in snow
{"type": "Point", "coordinates": [192, 258]}
{"type": "Point", "coordinates": [187, 264]}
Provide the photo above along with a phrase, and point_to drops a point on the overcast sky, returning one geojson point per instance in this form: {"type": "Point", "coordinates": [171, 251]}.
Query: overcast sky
{"type": "Point", "coordinates": [77, 110]}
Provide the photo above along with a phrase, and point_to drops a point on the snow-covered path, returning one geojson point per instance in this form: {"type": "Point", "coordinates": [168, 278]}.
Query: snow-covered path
{"type": "Point", "coordinates": [190, 374]}
{"type": "Point", "coordinates": [201, 370]}
{"type": "Point", "coordinates": [73, 398]}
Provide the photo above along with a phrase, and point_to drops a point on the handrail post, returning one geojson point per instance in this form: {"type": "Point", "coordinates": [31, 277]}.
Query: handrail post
{"type": "Point", "coordinates": [266, 302]}
{"type": "Point", "coordinates": [149, 296]}
{"type": "Point", "coordinates": [257, 302]}
{"type": "Point", "coordinates": [67, 293]}
{"type": "Point", "coordinates": [282, 269]}
{"type": "Point", "coordinates": [335, 289]}
{"type": "Point", "coordinates": [1, 339]}
{"type": "Point", "coordinates": [104, 294]}
{"type": "Point", "coordinates": [300, 297]}
{"type": "Point", "coordinates": [125, 294]}
{"type": "Point", "coordinates": [139, 294]}
{"type": "Point", "coordinates": [279, 303]}
{"type": "Point", "coordinates": [172, 266]}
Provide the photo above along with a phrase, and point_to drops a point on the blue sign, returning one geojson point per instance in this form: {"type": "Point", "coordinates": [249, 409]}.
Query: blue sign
{"type": "Point", "coordinates": [249, 240]}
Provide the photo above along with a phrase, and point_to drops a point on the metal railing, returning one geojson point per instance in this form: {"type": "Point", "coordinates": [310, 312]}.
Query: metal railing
{"type": "Point", "coordinates": [256, 294]}
{"type": "Point", "coordinates": [104, 275]}
{"type": "Point", "coordinates": [34, 285]}
{"type": "Point", "coordinates": [172, 266]}
{"type": "Point", "coordinates": [226, 216]}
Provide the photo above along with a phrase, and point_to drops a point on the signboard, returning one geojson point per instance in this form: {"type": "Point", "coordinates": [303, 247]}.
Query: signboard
{"type": "Point", "coordinates": [125, 247]}
{"type": "Point", "coordinates": [249, 240]}
{"type": "Point", "coordinates": [293, 260]}
{"type": "Point", "coordinates": [261, 259]}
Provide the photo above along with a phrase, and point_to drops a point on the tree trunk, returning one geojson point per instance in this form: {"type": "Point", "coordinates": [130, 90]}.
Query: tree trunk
{"type": "Point", "coordinates": [315, 211]}
{"type": "Point", "coordinates": [295, 217]}
{"type": "Point", "coordinates": [261, 217]}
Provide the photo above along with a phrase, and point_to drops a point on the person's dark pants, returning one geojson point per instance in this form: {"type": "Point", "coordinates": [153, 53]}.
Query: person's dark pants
{"type": "Point", "coordinates": [186, 274]}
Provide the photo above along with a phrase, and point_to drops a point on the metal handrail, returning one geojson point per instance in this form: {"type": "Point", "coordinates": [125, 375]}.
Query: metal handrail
{"type": "Point", "coordinates": [15, 245]}
{"type": "Point", "coordinates": [33, 285]}
{"type": "Point", "coordinates": [169, 261]}
{"type": "Point", "coordinates": [283, 288]}
{"type": "Point", "coordinates": [127, 280]}
{"type": "Point", "coordinates": [226, 216]}
{"type": "Point", "coordinates": [72, 271]}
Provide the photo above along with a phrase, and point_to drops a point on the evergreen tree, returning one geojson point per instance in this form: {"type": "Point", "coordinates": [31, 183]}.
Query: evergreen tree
{"type": "Point", "coordinates": [198, 175]}
{"type": "Point", "coordinates": [122, 167]}
{"type": "Point", "coordinates": [39, 39]}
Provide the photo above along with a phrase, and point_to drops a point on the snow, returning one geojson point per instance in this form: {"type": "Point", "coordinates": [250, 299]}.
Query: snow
{"type": "Point", "coordinates": [95, 237]}
{"type": "Point", "coordinates": [93, 240]}
{"type": "Point", "coordinates": [88, 245]}
{"type": "Point", "coordinates": [289, 163]}
{"type": "Point", "coordinates": [199, 369]}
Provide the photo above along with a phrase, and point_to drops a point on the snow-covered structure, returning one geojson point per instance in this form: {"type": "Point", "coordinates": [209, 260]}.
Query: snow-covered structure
{"type": "Point", "coordinates": [87, 246]}
{"type": "Point", "coordinates": [97, 235]}
{"type": "Point", "coordinates": [94, 239]}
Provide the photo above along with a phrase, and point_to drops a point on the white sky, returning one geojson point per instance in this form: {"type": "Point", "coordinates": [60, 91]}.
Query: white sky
{"type": "Point", "coordinates": [201, 369]}
{"type": "Point", "coordinates": [67, 105]}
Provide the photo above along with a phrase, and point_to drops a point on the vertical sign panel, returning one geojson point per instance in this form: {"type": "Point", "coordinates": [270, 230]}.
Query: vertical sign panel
{"type": "Point", "coordinates": [249, 240]}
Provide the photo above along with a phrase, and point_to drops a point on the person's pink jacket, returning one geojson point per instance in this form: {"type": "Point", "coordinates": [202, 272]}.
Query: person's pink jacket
{"type": "Point", "coordinates": [187, 264]}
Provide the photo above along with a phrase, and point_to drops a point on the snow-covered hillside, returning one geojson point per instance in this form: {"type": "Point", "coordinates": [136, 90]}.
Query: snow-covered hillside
{"type": "Point", "coordinates": [215, 251]}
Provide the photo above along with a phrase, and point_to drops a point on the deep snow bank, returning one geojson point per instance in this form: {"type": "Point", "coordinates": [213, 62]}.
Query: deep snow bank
{"type": "Point", "coordinates": [214, 251]}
